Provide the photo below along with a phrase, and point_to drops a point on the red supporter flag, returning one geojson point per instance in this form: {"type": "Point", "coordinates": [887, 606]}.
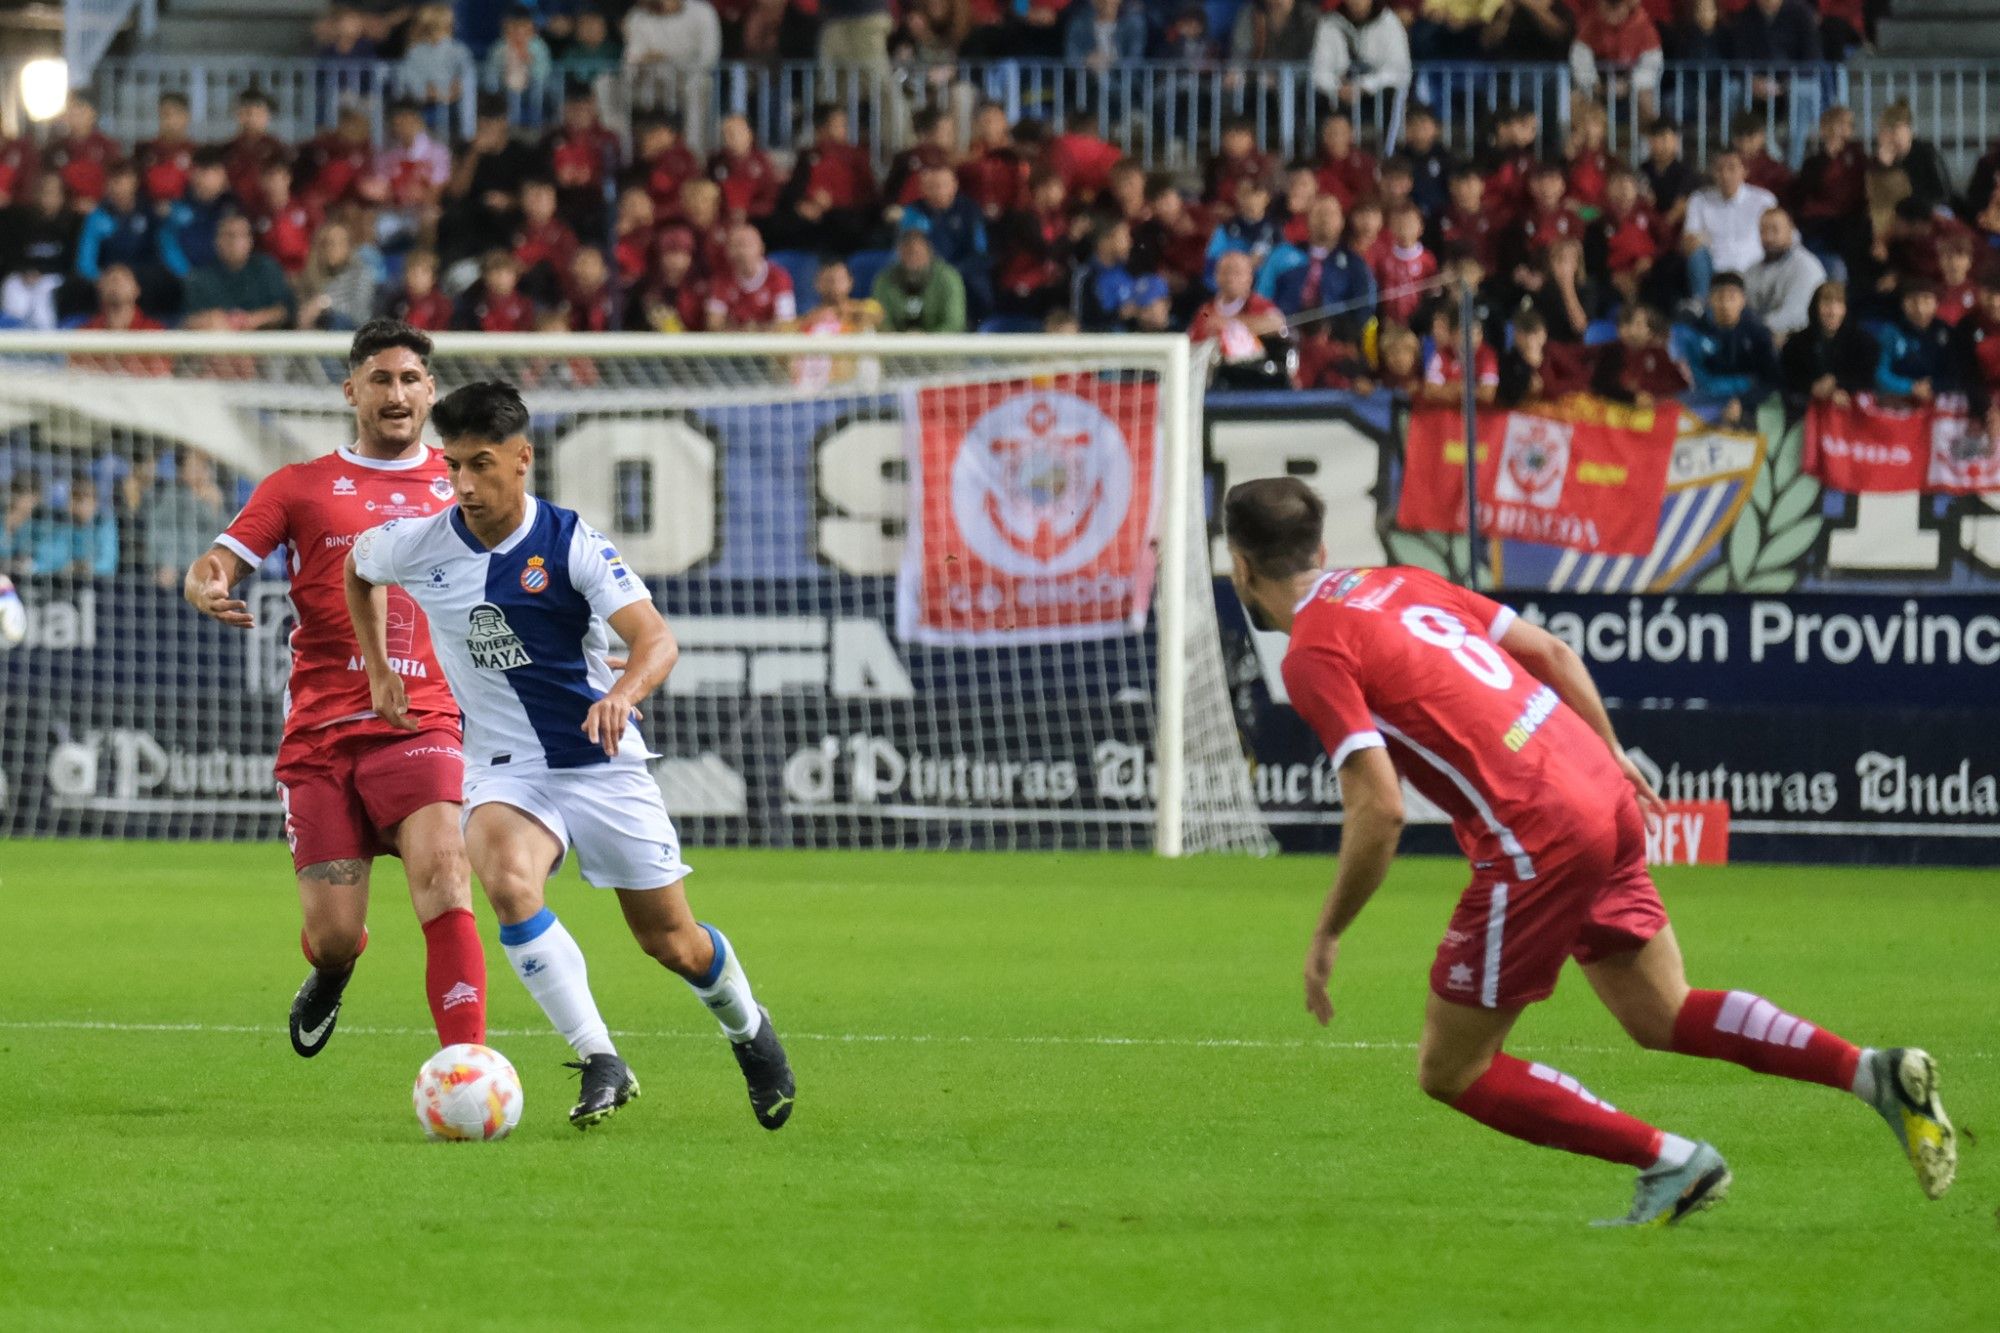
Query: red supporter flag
{"type": "Point", "coordinates": [1874, 446]}
{"type": "Point", "coordinates": [1583, 474]}
{"type": "Point", "coordinates": [1034, 513]}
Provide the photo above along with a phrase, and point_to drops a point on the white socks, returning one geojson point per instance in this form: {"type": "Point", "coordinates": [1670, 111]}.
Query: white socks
{"type": "Point", "coordinates": [1864, 1076]}
{"type": "Point", "coordinates": [726, 992]}
{"type": "Point", "coordinates": [1674, 1151]}
{"type": "Point", "coordinates": [546, 959]}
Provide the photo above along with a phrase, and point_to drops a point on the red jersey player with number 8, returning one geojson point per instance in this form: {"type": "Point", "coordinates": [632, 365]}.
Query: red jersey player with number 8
{"type": "Point", "coordinates": [1404, 675]}
{"type": "Point", "coordinates": [354, 786]}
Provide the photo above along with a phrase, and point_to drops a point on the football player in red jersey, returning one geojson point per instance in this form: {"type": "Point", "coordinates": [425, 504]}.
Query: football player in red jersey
{"type": "Point", "coordinates": [1405, 676]}
{"type": "Point", "coordinates": [355, 787]}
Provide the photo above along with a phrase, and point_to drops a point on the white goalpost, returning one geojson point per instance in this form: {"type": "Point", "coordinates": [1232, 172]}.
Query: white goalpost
{"type": "Point", "coordinates": [931, 591]}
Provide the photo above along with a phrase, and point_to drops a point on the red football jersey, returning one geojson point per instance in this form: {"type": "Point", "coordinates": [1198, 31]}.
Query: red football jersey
{"type": "Point", "coordinates": [1401, 278]}
{"type": "Point", "coordinates": [1401, 658]}
{"type": "Point", "coordinates": [164, 168]}
{"type": "Point", "coordinates": [317, 509]}
{"type": "Point", "coordinates": [736, 304]}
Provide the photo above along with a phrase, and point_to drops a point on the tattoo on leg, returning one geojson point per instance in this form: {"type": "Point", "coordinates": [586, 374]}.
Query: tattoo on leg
{"type": "Point", "coordinates": [343, 874]}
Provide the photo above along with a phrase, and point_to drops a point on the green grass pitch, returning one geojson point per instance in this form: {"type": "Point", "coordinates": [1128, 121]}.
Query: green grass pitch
{"type": "Point", "coordinates": [1035, 1092]}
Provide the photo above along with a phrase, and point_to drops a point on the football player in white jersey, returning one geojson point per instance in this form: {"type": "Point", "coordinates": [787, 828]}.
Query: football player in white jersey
{"type": "Point", "coordinates": [518, 593]}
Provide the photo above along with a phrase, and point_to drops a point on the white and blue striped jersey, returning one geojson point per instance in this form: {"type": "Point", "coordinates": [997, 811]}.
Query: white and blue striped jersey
{"type": "Point", "coordinates": [519, 629]}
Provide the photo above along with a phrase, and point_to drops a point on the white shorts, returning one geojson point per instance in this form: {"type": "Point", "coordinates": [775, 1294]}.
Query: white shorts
{"type": "Point", "coordinates": [612, 814]}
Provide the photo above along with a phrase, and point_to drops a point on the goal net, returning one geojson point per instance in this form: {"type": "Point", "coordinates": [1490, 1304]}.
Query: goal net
{"type": "Point", "coordinates": [929, 592]}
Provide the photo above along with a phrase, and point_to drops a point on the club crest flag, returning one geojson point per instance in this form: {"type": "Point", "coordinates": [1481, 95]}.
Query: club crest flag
{"type": "Point", "coordinates": [1582, 474]}
{"type": "Point", "coordinates": [1031, 511]}
{"type": "Point", "coordinates": [1870, 445]}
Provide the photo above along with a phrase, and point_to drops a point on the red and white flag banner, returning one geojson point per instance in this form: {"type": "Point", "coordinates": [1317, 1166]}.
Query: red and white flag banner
{"type": "Point", "coordinates": [1032, 511]}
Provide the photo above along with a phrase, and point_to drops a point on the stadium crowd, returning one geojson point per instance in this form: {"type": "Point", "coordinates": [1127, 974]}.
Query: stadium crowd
{"type": "Point", "coordinates": [1733, 279]}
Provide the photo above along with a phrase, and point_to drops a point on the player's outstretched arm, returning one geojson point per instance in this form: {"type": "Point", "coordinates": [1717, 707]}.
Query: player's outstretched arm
{"type": "Point", "coordinates": [368, 609]}
{"type": "Point", "coordinates": [1372, 796]}
{"type": "Point", "coordinates": [1554, 663]}
{"type": "Point", "coordinates": [209, 582]}
{"type": "Point", "coordinates": [650, 653]}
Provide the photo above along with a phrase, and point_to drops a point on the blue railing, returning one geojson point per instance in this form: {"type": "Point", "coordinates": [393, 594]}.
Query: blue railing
{"type": "Point", "coordinates": [1165, 115]}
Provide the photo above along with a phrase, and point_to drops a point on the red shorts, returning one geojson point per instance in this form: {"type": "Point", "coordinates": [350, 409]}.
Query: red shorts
{"type": "Point", "coordinates": [1591, 897]}
{"type": "Point", "coordinates": [344, 790]}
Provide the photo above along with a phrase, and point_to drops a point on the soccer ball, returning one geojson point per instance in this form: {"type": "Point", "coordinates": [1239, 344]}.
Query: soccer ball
{"type": "Point", "coordinates": [13, 615]}
{"type": "Point", "coordinates": [467, 1092]}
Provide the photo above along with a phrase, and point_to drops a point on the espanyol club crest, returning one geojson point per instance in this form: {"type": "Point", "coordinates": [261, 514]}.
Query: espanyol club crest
{"type": "Point", "coordinates": [441, 488]}
{"type": "Point", "coordinates": [534, 578]}
{"type": "Point", "coordinates": [1041, 484]}
{"type": "Point", "coordinates": [1533, 461]}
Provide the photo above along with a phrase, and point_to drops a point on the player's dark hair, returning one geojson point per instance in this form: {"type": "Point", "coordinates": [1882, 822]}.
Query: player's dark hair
{"type": "Point", "coordinates": [482, 410]}
{"type": "Point", "coordinates": [379, 335]}
{"type": "Point", "coordinates": [1277, 523]}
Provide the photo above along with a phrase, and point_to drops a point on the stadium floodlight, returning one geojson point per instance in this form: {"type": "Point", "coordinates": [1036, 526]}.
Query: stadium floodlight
{"type": "Point", "coordinates": [930, 591]}
{"type": "Point", "coordinates": [44, 88]}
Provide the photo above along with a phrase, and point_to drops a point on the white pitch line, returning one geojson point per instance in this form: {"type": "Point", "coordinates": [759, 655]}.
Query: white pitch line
{"type": "Point", "coordinates": [843, 1038]}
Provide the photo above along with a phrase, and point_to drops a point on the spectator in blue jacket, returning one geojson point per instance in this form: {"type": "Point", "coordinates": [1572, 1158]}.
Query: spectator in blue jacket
{"type": "Point", "coordinates": [1253, 231]}
{"type": "Point", "coordinates": [1916, 359]}
{"type": "Point", "coordinates": [1729, 353]}
{"type": "Point", "coordinates": [1103, 34]}
{"type": "Point", "coordinates": [80, 541]}
{"type": "Point", "coordinates": [1330, 275]}
{"type": "Point", "coordinates": [1110, 297]}
{"type": "Point", "coordinates": [957, 229]}
{"type": "Point", "coordinates": [119, 230]}
{"type": "Point", "coordinates": [187, 232]}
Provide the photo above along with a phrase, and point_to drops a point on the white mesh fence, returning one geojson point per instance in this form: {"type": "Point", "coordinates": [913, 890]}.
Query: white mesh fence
{"type": "Point", "coordinates": [915, 581]}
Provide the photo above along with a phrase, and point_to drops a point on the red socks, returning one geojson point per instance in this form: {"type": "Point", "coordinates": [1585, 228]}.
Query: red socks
{"type": "Point", "coordinates": [455, 977]}
{"type": "Point", "coordinates": [1749, 1030]}
{"type": "Point", "coordinates": [1551, 1109]}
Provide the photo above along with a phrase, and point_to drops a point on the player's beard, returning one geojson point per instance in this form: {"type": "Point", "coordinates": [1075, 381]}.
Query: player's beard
{"type": "Point", "coordinates": [397, 433]}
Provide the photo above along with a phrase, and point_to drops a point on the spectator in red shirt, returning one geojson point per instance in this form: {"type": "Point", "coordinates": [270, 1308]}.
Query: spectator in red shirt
{"type": "Point", "coordinates": [417, 301]}
{"type": "Point", "coordinates": [1238, 160]}
{"type": "Point", "coordinates": [1627, 238]}
{"type": "Point", "coordinates": [167, 160]}
{"type": "Point", "coordinates": [1637, 369]}
{"type": "Point", "coordinates": [254, 146]}
{"type": "Point", "coordinates": [1345, 171]}
{"type": "Point", "coordinates": [1084, 161]}
{"type": "Point", "coordinates": [20, 160]}
{"type": "Point", "coordinates": [662, 163]}
{"type": "Point", "coordinates": [1241, 323]}
{"type": "Point", "coordinates": [673, 302]}
{"type": "Point", "coordinates": [1516, 133]}
{"type": "Point", "coordinates": [632, 248]}
{"type": "Point", "coordinates": [333, 165]}
{"type": "Point", "coordinates": [1467, 226]}
{"type": "Point", "coordinates": [1365, 235]}
{"type": "Point", "coordinates": [936, 146]}
{"type": "Point", "coordinates": [1587, 163]}
{"type": "Point", "coordinates": [1548, 218]}
{"type": "Point", "coordinates": [1832, 192]}
{"type": "Point", "coordinates": [118, 305]}
{"type": "Point", "coordinates": [543, 244]}
{"type": "Point", "coordinates": [1619, 46]}
{"type": "Point", "coordinates": [1178, 236]}
{"type": "Point", "coordinates": [1301, 192]}
{"type": "Point", "coordinates": [586, 302]}
{"type": "Point", "coordinates": [1403, 271]}
{"type": "Point", "coordinates": [1747, 136]}
{"type": "Point", "coordinates": [701, 213]}
{"type": "Point", "coordinates": [284, 224]}
{"type": "Point", "coordinates": [1957, 294]}
{"type": "Point", "coordinates": [994, 175]}
{"type": "Point", "coordinates": [497, 305]}
{"type": "Point", "coordinates": [1035, 249]}
{"type": "Point", "coordinates": [414, 168]}
{"type": "Point", "coordinates": [829, 202]}
{"type": "Point", "coordinates": [83, 156]}
{"type": "Point", "coordinates": [582, 157]}
{"type": "Point", "coordinates": [1444, 371]}
{"type": "Point", "coordinates": [749, 180]}
{"type": "Point", "coordinates": [751, 294]}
